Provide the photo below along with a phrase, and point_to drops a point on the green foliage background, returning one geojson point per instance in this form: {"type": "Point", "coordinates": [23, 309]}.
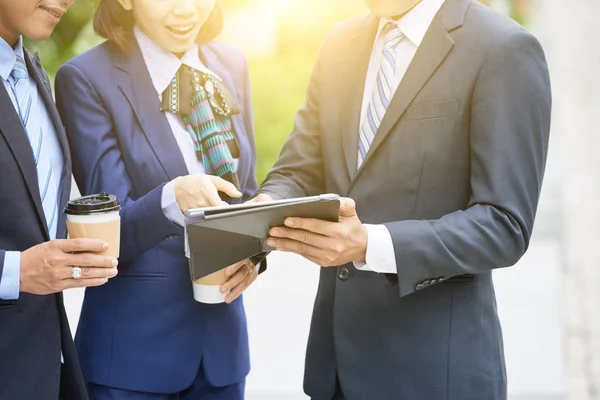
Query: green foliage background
{"type": "Point", "coordinates": [279, 80]}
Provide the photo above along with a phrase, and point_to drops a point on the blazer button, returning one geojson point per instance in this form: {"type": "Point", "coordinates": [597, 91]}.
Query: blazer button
{"type": "Point", "coordinates": [344, 274]}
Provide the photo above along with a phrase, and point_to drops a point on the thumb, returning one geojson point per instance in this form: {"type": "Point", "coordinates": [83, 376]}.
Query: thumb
{"type": "Point", "coordinates": [347, 207]}
{"type": "Point", "coordinates": [226, 187]}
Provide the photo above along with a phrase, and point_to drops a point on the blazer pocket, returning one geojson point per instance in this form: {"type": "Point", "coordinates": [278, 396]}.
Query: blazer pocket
{"type": "Point", "coordinates": [432, 110]}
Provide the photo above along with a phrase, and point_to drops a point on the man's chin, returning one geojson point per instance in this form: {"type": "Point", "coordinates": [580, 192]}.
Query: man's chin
{"type": "Point", "coordinates": [39, 34]}
{"type": "Point", "coordinates": [387, 10]}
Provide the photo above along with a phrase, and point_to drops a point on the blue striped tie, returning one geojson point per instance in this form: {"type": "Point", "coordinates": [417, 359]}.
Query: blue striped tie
{"type": "Point", "coordinates": [383, 93]}
{"type": "Point", "coordinates": [19, 84]}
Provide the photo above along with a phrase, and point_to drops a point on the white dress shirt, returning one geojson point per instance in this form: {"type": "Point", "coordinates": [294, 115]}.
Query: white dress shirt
{"type": "Point", "coordinates": [381, 256]}
{"type": "Point", "coordinates": [162, 66]}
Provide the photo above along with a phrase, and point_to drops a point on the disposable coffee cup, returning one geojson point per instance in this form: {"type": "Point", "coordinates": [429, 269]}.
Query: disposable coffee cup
{"type": "Point", "coordinates": [96, 217]}
{"type": "Point", "coordinates": [207, 290]}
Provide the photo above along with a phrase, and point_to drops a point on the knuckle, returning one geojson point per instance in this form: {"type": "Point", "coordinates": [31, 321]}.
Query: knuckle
{"type": "Point", "coordinates": [77, 245]}
{"type": "Point", "coordinates": [59, 259]}
{"type": "Point", "coordinates": [55, 275]}
{"type": "Point", "coordinates": [86, 259]}
{"type": "Point", "coordinates": [81, 283]}
{"type": "Point", "coordinates": [316, 225]}
{"type": "Point", "coordinates": [304, 237]}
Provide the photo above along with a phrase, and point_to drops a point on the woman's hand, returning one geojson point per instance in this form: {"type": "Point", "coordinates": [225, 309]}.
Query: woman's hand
{"type": "Point", "coordinates": [241, 275]}
{"type": "Point", "coordinates": [200, 190]}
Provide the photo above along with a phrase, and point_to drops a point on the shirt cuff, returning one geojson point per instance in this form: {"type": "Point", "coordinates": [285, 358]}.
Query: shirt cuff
{"type": "Point", "coordinates": [11, 276]}
{"type": "Point", "coordinates": [381, 256]}
{"type": "Point", "coordinates": [170, 207]}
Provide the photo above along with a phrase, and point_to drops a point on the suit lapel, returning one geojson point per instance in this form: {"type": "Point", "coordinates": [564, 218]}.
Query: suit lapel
{"type": "Point", "coordinates": [434, 49]}
{"type": "Point", "coordinates": [359, 53]}
{"type": "Point", "coordinates": [210, 60]}
{"type": "Point", "coordinates": [16, 137]}
{"type": "Point", "coordinates": [135, 83]}
{"type": "Point", "coordinates": [36, 72]}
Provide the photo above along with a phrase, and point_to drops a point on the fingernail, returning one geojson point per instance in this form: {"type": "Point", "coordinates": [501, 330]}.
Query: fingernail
{"type": "Point", "coordinates": [271, 242]}
{"type": "Point", "coordinates": [229, 271]}
{"type": "Point", "coordinates": [105, 246]}
{"type": "Point", "coordinates": [105, 280]}
{"type": "Point", "coordinates": [115, 262]}
{"type": "Point", "coordinates": [290, 222]}
{"type": "Point", "coordinates": [275, 232]}
{"type": "Point", "coordinates": [114, 272]}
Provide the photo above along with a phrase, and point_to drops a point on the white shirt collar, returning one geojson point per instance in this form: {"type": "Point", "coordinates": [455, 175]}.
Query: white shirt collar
{"type": "Point", "coordinates": [416, 22]}
{"type": "Point", "coordinates": [8, 56]}
{"type": "Point", "coordinates": [163, 65]}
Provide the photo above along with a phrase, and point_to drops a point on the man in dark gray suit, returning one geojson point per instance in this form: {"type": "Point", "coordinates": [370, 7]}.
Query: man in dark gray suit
{"type": "Point", "coordinates": [436, 122]}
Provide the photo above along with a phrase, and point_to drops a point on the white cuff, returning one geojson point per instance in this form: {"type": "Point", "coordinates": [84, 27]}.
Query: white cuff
{"type": "Point", "coordinates": [11, 276]}
{"type": "Point", "coordinates": [170, 207]}
{"type": "Point", "coordinates": [381, 256]}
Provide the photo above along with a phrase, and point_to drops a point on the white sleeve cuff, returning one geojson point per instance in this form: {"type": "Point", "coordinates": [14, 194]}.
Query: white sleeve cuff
{"type": "Point", "coordinates": [170, 207]}
{"type": "Point", "coordinates": [381, 256]}
{"type": "Point", "coordinates": [11, 276]}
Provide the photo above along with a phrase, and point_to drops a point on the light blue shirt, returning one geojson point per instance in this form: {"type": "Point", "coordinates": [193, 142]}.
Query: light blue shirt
{"type": "Point", "coordinates": [9, 282]}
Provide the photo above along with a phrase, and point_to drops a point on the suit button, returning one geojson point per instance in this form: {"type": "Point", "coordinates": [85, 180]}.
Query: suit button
{"type": "Point", "coordinates": [344, 274]}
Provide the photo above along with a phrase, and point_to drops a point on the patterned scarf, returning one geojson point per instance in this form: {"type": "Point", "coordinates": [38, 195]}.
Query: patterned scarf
{"type": "Point", "coordinates": [206, 108]}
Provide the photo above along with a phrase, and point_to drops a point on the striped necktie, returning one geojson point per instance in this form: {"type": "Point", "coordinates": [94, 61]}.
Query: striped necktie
{"type": "Point", "coordinates": [21, 89]}
{"type": "Point", "coordinates": [382, 93]}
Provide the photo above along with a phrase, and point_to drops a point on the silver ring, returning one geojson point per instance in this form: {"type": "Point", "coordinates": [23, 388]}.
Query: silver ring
{"type": "Point", "coordinates": [76, 273]}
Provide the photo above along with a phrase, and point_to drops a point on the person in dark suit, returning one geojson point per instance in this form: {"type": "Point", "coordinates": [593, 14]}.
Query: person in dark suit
{"type": "Point", "coordinates": [135, 133]}
{"type": "Point", "coordinates": [434, 117]}
{"type": "Point", "coordinates": [36, 262]}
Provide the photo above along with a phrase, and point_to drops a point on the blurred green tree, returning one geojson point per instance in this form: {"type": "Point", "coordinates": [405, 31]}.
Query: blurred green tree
{"type": "Point", "coordinates": [72, 36]}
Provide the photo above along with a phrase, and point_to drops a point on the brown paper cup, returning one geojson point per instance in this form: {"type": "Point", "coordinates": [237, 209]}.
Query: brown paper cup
{"type": "Point", "coordinates": [109, 232]}
{"type": "Point", "coordinates": [96, 217]}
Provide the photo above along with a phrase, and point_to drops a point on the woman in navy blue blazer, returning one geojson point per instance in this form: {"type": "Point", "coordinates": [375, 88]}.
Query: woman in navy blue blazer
{"type": "Point", "coordinates": [160, 116]}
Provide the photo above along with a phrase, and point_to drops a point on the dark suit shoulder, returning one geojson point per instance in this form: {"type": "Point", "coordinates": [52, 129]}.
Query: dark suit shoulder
{"type": "Point", "coordinates": [490, 29]}
{"type": "Point", "coordinates": [342, 30]}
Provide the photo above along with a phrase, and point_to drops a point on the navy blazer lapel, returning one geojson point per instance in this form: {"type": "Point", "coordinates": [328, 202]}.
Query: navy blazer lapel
{"type": "Point", "coordinates": [16, 137]}
{"type": "Point", "coordinates": [36, 71]}
{"type": "Point", "coordinates": [211, 61]}
{"type": "Point", "coordinates": [136, 84]}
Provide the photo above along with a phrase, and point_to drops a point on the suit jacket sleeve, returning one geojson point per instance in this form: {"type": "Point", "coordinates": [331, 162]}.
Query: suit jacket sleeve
{"type": "Point", "coordinates": [98, 164]}
{"type": "Point", "coordinates": [510, 123]}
